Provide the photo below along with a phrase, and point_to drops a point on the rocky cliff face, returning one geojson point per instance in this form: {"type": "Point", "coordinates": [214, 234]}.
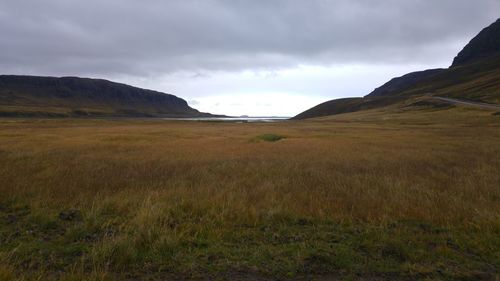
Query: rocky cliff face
{"type": "Point", "coordinates": [485, 44]}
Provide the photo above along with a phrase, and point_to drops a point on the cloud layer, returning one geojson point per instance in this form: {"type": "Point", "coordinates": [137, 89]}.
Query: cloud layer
{"type": "Point", "coordinates": [147, 38]}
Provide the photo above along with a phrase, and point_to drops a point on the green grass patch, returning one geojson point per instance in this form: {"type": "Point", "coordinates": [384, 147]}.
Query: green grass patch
{"type": "Point", "coordinates": [270, 137]}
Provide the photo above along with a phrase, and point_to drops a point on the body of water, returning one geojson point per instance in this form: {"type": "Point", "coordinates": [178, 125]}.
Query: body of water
{"type": "Point", "coordinates": [233, 119]}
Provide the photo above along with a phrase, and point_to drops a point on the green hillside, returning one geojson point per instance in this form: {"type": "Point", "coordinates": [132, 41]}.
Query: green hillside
{"type": "Point", "coordinates": [474, 76]}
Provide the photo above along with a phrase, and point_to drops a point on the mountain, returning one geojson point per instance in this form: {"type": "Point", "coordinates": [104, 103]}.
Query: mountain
{"type": "Point", "coordinates": [35, 96]}
{"type": "Point", "coordinates": [474, 76]}
{"type": "Point", "coordinates": [484, 45]}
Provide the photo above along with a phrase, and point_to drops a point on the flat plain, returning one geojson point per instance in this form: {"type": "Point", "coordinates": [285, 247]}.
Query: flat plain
{"type": "Point", "coordinates": [373, 195]}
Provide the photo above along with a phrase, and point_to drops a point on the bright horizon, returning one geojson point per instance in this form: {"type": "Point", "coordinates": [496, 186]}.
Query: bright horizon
{"type": "Point", "coordinates": [285, 92]}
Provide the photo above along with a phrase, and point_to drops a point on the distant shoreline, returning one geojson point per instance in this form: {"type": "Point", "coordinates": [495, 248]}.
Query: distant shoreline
{"type": "Point", "coordinates": [231, 119]}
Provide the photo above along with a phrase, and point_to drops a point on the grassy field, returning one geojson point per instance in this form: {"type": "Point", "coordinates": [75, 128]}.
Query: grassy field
{"type": "Point", "coordinates": [361, 196]}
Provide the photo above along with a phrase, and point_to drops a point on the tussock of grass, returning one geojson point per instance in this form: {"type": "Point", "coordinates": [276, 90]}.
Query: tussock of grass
{"type": "Point", "coordinates": [383, 197]}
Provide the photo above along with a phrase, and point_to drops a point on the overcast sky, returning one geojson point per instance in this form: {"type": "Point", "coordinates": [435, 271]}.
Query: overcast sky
{"type": "Point", "coordinates": [253, 57]}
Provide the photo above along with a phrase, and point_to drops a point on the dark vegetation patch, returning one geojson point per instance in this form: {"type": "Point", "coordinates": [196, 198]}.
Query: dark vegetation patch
{"type": "Point", "coordinates": [270, 137]}
{"type": "Point", "coordinates": [86, 113]}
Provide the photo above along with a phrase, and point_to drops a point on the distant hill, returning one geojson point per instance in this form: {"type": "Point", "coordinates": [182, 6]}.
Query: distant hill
{"type": "Point", "coordinates": [34, 96]}
{"type": "Point", "coordinates": [474, 75]}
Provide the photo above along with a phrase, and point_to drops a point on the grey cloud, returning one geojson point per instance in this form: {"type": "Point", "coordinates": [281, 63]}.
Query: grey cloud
{"type": "Point", "coordinates": [130, 37]}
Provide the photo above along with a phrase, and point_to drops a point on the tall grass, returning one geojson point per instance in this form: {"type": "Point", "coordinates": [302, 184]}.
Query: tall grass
{"type": "Point", "coordinates": [200, 198]}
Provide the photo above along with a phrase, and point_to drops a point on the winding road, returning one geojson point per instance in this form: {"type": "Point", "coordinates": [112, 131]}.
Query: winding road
{"type": "Point", "coordinates": [470, 103]}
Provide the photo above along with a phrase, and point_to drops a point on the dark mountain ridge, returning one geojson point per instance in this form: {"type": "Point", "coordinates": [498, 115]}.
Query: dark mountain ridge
{"type": "Point", "coordinates": [474, 75]}
{"type": "Point", "coordinates": [484, 45]}
{"type": "Point", "coordinates": [31, 96]}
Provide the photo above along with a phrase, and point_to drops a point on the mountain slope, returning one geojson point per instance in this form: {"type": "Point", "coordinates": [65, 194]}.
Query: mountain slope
{"type": "Point", "coordinates": [346, 105]}
{"type": "Point", "coordinates": [474, 75]}
{"type": "Point", "coordinates": [478, 81]}
{"type": "Point", "coordinates": [405, 82]}
{"type": "Point", "coordinates": [485, 44]}
{"type": "Point", "coordinates": [30, 96]}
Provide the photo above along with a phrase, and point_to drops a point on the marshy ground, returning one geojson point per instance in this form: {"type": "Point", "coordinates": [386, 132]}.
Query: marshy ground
{"type": "Point", "coordinates": [363, 196]}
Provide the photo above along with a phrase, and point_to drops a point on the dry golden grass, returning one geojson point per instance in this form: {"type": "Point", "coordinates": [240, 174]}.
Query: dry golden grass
{"type": "Point", "coordinates": [150, 187]}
